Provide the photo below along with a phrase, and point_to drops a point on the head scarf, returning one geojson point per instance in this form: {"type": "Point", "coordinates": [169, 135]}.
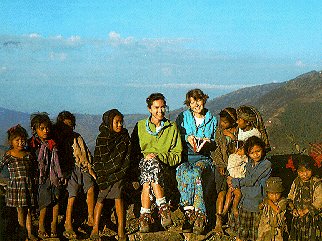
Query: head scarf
{"type": "Point", "coordinates": [256, 120]}
{"type": "Point", "coordinates": [112, 152]}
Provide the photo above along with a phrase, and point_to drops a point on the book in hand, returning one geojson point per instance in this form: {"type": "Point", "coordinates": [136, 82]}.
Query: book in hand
{"type": "Point", "coordinates": [198, 144]}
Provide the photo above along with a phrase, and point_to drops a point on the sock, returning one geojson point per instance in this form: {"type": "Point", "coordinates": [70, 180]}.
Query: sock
{"type": "Point", "coordinates": [145, 210]}
{"type": "Point", "coordinates": [160, 201]}
{"type": "Point", "coordinates": [186, 208]}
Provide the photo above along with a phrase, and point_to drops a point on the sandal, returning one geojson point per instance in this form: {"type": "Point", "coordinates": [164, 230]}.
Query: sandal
{"type": "Point", "coordinates": [53, 235]}
{"type": "Point", "coordinates": [69, 234]}
{"type": "Point", "coordinates": [42, 235]}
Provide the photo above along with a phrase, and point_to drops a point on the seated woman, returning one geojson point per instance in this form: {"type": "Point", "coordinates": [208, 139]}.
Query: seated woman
{"type": "Point", "coordinates": [197, 127]}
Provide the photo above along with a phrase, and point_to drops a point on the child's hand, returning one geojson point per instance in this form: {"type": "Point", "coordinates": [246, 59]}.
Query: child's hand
{"type": "Point", "coordinates": [295, 212]}
{"type": "Point", "coordinates": [229, 178]}
{"type": "Point", "coordinates": [150, 156]}
{"type": "Point", "coordinates": [136, 185]}
{"type": "Point", "coordinates": [226, 132]}
{"type": "Point", "coordinates": [302, 212]}
{"type": "Point", "coordinates": [92, 173]}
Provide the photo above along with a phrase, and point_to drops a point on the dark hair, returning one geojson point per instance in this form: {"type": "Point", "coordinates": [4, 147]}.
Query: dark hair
{"type": "Point", "coordinates": [230, 114]}
{"type": "Point", "coordinates": [196, 94]}
{"type": "Point", "coordinates": [254, 141]}
{"type": "Point", "coordinates": [304, 161]}
{"type": "Point", "coordinates": [16, 131]}
{"type": "Point", "coordinates": [38, 119]}
{"type": "Point", "coordinates": [154, 97]}
{"type": "Point", "coordinates": [234, 145]}
{"type": "Point", "coordinates": [66, 115]}
{"type": "Point", "coordinates": [108, 117]}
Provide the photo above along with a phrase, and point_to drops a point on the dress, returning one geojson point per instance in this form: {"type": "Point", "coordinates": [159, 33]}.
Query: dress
{"type": "Point", "coordinates": [20, 188]}
{"type": "Point", "coordinates": [195, 176]}
{"type": "Point", "coordinates": [272, 225]}
{"type": "Point", "coordinates": [307, 195]}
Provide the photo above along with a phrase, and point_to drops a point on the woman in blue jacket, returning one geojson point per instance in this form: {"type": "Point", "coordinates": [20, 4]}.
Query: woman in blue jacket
{"type": "Point", "coordinates": [197, 127]}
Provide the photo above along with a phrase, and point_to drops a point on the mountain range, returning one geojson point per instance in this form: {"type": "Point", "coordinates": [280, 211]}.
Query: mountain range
{"type": "Point", "coordinates": [291, 110]}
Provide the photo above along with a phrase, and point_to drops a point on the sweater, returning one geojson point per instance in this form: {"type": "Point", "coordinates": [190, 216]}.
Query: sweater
{"type": "Point", "coordinates": [166, 144]}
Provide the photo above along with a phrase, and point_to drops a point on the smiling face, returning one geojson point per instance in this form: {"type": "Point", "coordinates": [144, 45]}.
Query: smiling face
{"type": "Point", "coordinates": [196, 106]}
{"type": "Point", "coordinates": [157, 111]}
{"type": "Point", "coordinates": [43, 131]}
{"type": "Point", "coordinates": [256, 153]}
{"type": "Point", "coordinates": [18, 143]}
{"type": "Point", "coordinates": [304, 173]}
{"type": "Point", "coordinates": [117, 123]}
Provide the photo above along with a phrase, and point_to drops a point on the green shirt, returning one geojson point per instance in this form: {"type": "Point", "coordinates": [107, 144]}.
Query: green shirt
{"type": "Point", "coordinates": [166, 144]}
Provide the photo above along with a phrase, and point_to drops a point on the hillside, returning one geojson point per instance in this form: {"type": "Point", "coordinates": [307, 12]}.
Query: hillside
{"type": "Point", "coordinates": [291, 111]}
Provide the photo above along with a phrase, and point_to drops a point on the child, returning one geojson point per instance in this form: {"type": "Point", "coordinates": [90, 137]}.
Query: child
{"type": "Point", "coordinates": [20, 187]}
{"type": "Point", "coordinates": [111, 162]}
{"type": "Point", "coordinates": [306, 202]}
{"type": "Point", "coordinates": [236, 169]}
{"type": "Point", "coordinates": [250, 123]}
{"type": "Point", "coordinates": [50, 175]}
{"type": "Point", "coordinates": [77, 168]}
{"type": "Point", "coordinates": [225, 134]}
{"type": "Point", "coordinates": [258, 170]}
{"type": "Point", "coordinates": [272, 224]}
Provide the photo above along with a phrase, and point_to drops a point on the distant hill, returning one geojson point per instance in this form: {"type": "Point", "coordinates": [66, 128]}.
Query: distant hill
{"type": "Point", "coordinates": [291, 110]}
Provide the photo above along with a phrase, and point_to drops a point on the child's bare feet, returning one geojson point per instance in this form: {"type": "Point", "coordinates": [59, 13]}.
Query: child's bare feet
{"type": "Point", "coordinates": [90, 221]}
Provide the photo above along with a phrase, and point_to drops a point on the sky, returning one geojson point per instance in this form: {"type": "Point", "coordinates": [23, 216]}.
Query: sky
{"type": "Point", "coordinates": [91, 56]}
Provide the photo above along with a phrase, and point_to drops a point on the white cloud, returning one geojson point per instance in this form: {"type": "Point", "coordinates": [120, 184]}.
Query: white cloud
{"type": "Point", "coordinates": [3, 69]}
{"type": "Point", "coordinates": [74, 39]}
{"type": "Point", "coordinates": [34, 35]}
{"type": "Point", "coordinates": [115, 39]}
{"type": "Point", "coordinates": [299, 63]}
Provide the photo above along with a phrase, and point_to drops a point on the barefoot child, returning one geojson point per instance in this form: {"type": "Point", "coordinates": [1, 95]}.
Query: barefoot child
{"type": "Point", "coordinates": [20, 189]}
{"type": "Point", "coordinates": [111, 162]}
{"type": "Point", "coordinates": [225, 134]}
{"type": "Point", "coordinates": [306, 202]}
{"type": "Point", "coordinates": [236, 169]}
{"type": "Point", "coordinates": [50, 175]}
{"type": "Point", "coordinates": [272, 224]}
{"type": "Point", "coordinates": [258, 170]}
{"type": "Point", "coordinates": [76, 163]}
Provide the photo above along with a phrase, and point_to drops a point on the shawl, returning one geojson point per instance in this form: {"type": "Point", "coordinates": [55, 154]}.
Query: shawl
{"type": "Point", "coordinates": [257, 121]}
{"type": "Point", "coordinates": [48, 161]}
{"type": "Point", "coordinates": [111, 156]}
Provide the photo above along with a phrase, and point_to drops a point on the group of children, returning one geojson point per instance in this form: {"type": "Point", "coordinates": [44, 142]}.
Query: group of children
{"type": "Point", "coordinates": [56, 160]}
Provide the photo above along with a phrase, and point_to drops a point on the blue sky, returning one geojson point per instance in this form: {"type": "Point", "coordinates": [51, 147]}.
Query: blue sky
{"type": "Point", "coordinates": [90, 56]}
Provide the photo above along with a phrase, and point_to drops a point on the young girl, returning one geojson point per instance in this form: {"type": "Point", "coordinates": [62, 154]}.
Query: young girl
{"type": "Point", "coordinates": [306, 202]}
{"type": "Point", "coordinates": [272, 224]}
{"type": "Point", "coordinates": [76, 165]}
{"type": "Point", "coordinates": [250, 123]}
{"type": "Point", "coordinates": [111, 162]}
{"type": "Point", "coordinates": [236, 169]}
{"type": "Point", "coordinates": [20, 188]}
{"type": "Point", "coordinates": [258, 170]}
{"type": "Point", "coordinates": [50, 175]}
{"type": "Point", "coordinates": [225, 134]}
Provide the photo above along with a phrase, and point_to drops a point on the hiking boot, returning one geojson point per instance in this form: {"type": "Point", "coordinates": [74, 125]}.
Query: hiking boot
{"type": "Point", "coordinates": [200, 223]}
{"type": "Point", "coordinates": [145, 221]}
{"type": "Point", "coordinates": [165, 215]}
{"type": "Point", "coordinates": [189, 220]}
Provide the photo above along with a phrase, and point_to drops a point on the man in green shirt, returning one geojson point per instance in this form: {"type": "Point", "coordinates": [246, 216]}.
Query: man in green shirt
{"type": "Point", "coordinates": [158, 142]}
